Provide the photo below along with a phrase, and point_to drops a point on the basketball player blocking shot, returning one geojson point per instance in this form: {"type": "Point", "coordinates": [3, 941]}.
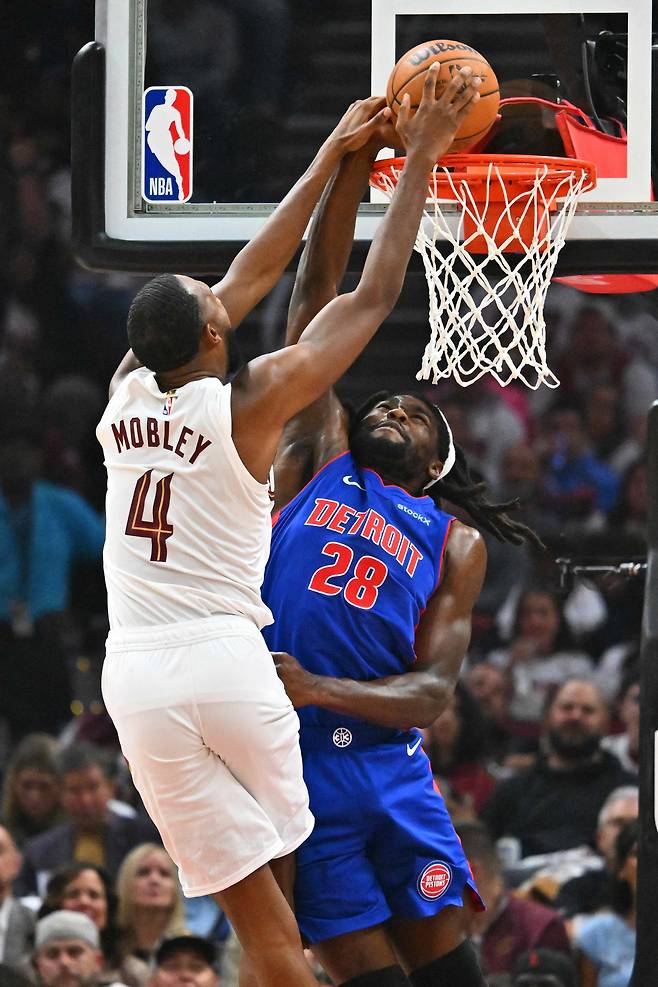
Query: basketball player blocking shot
{"type": "Point", "coordinates": [204, 721]}
{"type": "Point", "coordinates": [372, 584]}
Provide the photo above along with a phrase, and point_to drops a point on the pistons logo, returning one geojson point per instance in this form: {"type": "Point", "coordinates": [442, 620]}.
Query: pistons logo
{"type": "Point", "coordinates": [434, 880]}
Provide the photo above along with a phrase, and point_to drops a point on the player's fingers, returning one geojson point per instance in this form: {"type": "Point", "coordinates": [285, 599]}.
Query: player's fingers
{"type": "Point", "coordinates": [404, 112]}
{"type": "Point", "coordinates": [458, 84]}
{"type": "Point", "coordinates": [466, 96]}
{"type": "Point", "coordinates": [429, 86]}
{"type": "Point", "coordinates": [466, 107]}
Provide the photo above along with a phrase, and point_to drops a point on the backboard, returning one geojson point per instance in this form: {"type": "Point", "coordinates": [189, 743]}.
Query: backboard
{"type": "Point", "coordinates": [267, 81]}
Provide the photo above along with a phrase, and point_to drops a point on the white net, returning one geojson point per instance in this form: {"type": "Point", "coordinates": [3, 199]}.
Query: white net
{"type": "Point", "coordinates": [488, 288]}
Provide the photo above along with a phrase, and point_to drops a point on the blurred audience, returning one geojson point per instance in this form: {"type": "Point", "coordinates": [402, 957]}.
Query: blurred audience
{"type": "Point", "coordinates": [590, 892]}
{"type": "Point", "coordinates": [544, 968]}
{"type": "Point", "coordinates": [82, 887]}
{"type": "Point", "coordinates": [67, 951]}
{"type": "Point", "coordinates": [572, 770]}
{"type": "Point", "coordinates": [540, 656]}
{"type": "Point", "coordinates": [625, 745]}
{"type": "Point", "coordinates": [185, 961]}
{"type": "Point", "coordinates": [511, 925]}
{"type": "Point", "coordinates": [31, 793]}
{"type": "Point", "coordinates": [606, 942]}
{"type": "Point", "coordinates": [456, 744]}
{"type": "Point", "coordinates": [92, 832]}
{"type": "Point", "coordinates": [150, 901]}
{"type": "Point", "coordinates": [16, 921]}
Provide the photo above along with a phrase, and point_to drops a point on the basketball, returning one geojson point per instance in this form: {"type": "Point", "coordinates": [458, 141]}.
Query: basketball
{"type": "Point", "coordinates": [408, 76]}
{"type": "Point", "coordinates": [182, 146]}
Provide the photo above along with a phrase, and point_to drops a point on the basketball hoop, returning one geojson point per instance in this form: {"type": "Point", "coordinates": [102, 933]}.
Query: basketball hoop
{"type": "Point", "coordinates": [510, 215]}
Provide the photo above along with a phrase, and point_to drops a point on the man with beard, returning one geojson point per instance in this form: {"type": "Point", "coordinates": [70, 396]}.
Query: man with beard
{"type": "Point", "coordinates": [555, 804]}
{"type": "Point", "coordinates": [372, 585]}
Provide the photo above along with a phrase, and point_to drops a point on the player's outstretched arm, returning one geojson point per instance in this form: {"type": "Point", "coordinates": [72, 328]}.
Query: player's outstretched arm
{"type": "Point", "coordinates": [319, 432]}
{"type": "Point", "coordinates": [417, 697]}
{"type": "Point", "coordinates": [274, 388]}
{"type": "Point", "coordinates": [127, 365]}
{"type": "Point", "coordinates": [259, 265]}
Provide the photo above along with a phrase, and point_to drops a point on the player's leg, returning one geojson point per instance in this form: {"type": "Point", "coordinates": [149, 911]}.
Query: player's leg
{"type": "Point", "coordinates": [283, 871]}
{"type": "Point", "coordinates": [435, 950]}
{"type": "Point", "coordinates": [364, 958]}
{"type": "Point", "coordinates": [266, 928]}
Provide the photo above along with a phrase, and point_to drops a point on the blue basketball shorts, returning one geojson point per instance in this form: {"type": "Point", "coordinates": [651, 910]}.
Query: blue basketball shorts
{"type": "Point", "coordinates": [383, 843]}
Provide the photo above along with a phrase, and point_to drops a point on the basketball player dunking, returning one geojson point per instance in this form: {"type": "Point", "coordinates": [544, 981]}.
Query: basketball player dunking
{"type": "Point", "coordinates": [204, 721]}
{"type": "Point", "coordinates": [372, 585]}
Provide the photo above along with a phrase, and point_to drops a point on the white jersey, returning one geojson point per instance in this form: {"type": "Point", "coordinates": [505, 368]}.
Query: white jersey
{"type": "Point", "coordinates": [188, 527]}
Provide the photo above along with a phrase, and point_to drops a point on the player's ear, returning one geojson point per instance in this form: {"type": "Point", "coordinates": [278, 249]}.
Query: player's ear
{"type": "Point", "coordinates": [434, 470]}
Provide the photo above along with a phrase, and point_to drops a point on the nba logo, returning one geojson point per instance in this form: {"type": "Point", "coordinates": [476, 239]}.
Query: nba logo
{"type": "Point", "coordinates": [167, 144]}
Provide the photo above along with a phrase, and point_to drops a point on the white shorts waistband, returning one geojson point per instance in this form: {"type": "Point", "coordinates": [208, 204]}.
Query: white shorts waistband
{"type": "Point", "coordinates": [158, 636]}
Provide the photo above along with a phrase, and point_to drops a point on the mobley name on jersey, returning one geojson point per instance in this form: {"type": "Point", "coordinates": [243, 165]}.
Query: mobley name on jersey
{"type": "Point", "coordinates": [134, 433]}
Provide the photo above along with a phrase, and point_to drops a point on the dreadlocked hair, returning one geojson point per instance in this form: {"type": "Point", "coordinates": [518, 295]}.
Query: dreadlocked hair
{"type": "Point", "coordinates": [459, 487]}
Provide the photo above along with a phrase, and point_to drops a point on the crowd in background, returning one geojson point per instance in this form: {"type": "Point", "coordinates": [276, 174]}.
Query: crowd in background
{"type": "Point", "coordinates": [546, 715]}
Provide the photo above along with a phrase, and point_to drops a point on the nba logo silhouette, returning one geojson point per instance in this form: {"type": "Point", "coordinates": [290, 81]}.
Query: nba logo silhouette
{"type": "Point", "coordinates": [167, 144]}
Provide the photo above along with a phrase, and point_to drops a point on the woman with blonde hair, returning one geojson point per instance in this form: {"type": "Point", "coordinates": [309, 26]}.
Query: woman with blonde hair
{"type": "Point", "coordinates": [150, 901]}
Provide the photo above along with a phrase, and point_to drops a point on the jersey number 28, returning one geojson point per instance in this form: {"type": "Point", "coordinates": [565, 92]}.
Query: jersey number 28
{"type": "Point", "coordinates": [362, 589]}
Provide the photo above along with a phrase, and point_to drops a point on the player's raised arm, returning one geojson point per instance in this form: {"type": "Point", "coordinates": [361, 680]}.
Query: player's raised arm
{"type": "Point", "coordinates": [276, 387]}
{"type": "Point", "coordinates": [259, 265]}
{"type": "Point", "coordinates": [319, 432]}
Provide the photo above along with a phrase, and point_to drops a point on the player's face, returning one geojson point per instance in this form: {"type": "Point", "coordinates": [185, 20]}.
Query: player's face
{"type": "Point", "coordinates": [399, 438]}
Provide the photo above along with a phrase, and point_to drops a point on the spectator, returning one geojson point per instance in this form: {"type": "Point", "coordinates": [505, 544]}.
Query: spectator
{"type": "Point", "coordinates": [540, 656]}
{"type": "Point", "coordinates": [457, 747]}
{"type": "Point", "coordinates": [31, 790]}
{"type": "Point", "coordinates": [44, 529]}
{"type": "Point", "coordinates": [595, 356]}
{"type": "Point", "coordinates": [626, 746]}
{"type": "Point", "coordinates": [607, 432]}
{"type": "Point", "coordinates": [572, 770]}
{"type": "Point", "coordinates": [544, 968]}
{"type": "Point", "coordinates": [630, 514]}
{"type": "Point", "coordinates": [511, 925]}
{"type": "Point", "coordinates": [590, 892]}
{"type": "Point", "coordinates": [16, 921]}
{"type": "Point", "coordinates": [92, 832]}
{"type": "Point", "coordinates": [67, 951]}
{"type": "Point", "coordinates": [576, 486]}
{"type": "Point", "coordinates": [489, 686]}
{"type": "Point", "coordinates": [606, 942]}
{"type": "Point", "coordinates": [185, 961]}
{"type": "Point", "coordinates": [81, 887]}
{"type": "Point", "coordinates": [150, 901]}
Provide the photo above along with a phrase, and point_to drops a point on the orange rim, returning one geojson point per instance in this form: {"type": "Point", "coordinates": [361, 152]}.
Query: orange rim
{"type": "Point", "coordinates": [518, 172]}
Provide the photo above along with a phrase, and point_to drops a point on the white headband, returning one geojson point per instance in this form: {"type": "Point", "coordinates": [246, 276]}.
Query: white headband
{"type": "Point", "coordinates": [449, 461]}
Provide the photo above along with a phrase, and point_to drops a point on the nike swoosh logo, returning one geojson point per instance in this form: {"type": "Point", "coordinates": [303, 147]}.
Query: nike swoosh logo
{"type": "Point", "coordinates": [352, 483]}
{"type": "Point", "coordinates": [412, 749]}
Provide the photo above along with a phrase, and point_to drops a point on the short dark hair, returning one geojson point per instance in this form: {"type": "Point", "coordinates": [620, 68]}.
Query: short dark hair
{"type": "Point", "coordinates": [478, 845]}
{"type": "Point", "coordinates": [164, 324]}
{"type": "Point", "coordinates": [80, 756]}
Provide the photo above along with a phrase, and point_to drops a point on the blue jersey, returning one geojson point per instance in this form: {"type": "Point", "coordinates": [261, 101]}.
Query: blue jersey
{"type": "Point", "coordinates": [353, 564]}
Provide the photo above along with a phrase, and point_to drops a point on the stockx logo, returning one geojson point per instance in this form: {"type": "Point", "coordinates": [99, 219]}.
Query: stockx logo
{"type": "Point", "coordinates": [414, 514]}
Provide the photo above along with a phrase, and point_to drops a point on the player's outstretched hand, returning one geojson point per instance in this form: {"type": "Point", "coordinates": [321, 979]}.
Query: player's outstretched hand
{"type": "Point", "coordinates": [360, 123]}
{"type": "Point", "coordinates": [297, 682]}
{"type": "Point", "coordinates": [431, 130]}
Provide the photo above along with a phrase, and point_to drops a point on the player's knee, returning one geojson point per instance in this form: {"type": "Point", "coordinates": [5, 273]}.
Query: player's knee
{"type": "Point", "coordinates": [460, 966]}
{"type": "Point", "coordinates": [390, 976]}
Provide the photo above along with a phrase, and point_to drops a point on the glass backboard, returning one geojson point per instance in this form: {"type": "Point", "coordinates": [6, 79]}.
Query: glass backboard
{"type": "Point", "coordinates": [268, 80]}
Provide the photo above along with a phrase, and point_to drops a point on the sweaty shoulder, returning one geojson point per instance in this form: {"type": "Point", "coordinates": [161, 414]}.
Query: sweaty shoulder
{"type": "Point", "coordinates": [465, 546]}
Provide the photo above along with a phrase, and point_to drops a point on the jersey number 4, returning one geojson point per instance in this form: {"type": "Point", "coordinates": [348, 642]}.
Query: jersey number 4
{"type": "Point", "coordinates": [362, 589]}
{"type": "Point", "coordinates": [158, 529]}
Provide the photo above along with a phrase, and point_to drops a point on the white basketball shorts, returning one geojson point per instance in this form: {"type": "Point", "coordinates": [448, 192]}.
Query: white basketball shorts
{"type": "Point", "coordinates": [213, 745]}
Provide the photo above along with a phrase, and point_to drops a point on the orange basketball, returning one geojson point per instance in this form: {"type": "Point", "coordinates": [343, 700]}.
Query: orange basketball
{"type": "Point", "coordinates": [408, 76]}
